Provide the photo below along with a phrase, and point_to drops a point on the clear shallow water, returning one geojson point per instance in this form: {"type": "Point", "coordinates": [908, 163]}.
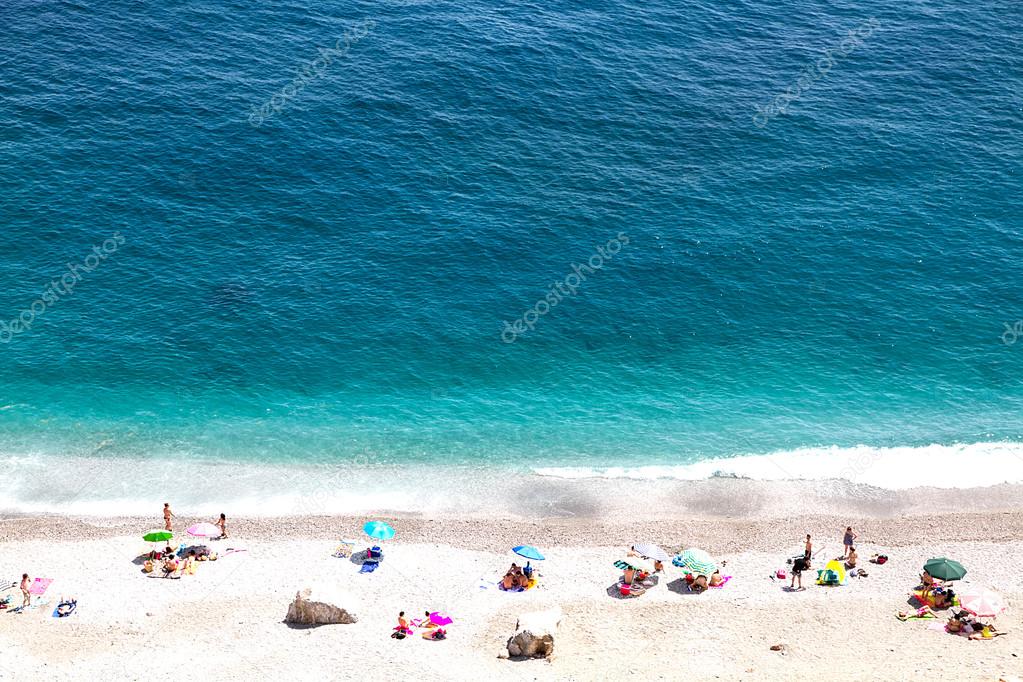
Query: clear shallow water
{"type": "Point", "coordinates": [330, 287]}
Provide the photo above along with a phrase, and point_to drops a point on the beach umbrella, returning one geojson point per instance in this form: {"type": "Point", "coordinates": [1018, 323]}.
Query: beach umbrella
{"type": "Point", "coordinates": [158, 536]}
{"type": "Point", "coordinates": [378, 530]}
{"type": "Point", "coordinates": [651, 551]}
{"type": "Point", "coordinates": [638, 563]}
{"type": "Point", "coordinates": [835, 567]}
{"type": "Point", "coordinates": [203, 530]}
{"type": "Point", "coordinates": [529, 552]}
{"type": "Point", "coordinates": [982, 603]}
{"type": "Point", "coordinates": [696, 561]}
{"type": "Point", "coordinates": [440, 619]}
{"type": "Point", "coordinates": [945, 569]}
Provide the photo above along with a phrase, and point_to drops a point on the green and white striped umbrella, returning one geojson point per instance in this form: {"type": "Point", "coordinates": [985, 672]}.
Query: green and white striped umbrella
{"type": "Point", "coordinates": [696, 561]}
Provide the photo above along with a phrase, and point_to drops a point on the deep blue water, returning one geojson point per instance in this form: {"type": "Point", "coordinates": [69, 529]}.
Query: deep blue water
{"type": "Point", "coordinates": [332, 282]}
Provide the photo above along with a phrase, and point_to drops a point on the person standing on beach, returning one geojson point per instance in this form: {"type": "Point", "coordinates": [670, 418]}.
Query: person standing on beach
{"type": "Point", "coordinates": [222, 525]}
{"type": "Point", "coordinates": [808, 551]}
{"type": "Point", "coordinates": [168, 513]}
{"type": "Point", "coordinates": [25, 592]}
{"type": "Point", "coordinates": [798, 566]}
{"type": "Point", "coordinates": [847, 540]}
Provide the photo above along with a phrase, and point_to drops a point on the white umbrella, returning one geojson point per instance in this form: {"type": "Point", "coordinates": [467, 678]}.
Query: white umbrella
{"type": "Point", "coordinates": [651, 551]}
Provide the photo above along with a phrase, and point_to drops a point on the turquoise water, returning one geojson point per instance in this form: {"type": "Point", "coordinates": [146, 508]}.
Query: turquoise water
{"type": "Point", "coordinates": [329, 282]}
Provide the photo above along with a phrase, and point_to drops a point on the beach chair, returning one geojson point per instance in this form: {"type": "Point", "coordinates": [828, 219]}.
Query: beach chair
{"type": "Point", "coordinates": [345, 549]}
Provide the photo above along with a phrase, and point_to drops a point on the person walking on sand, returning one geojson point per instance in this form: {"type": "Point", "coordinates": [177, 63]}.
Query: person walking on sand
{"type": "Point", "coordinates": [221, 523]}
{"type": "Point", "coordinates": [847, 540]}
{"type": "Point", "coordinates": [25, 592]}
{"type": "Point", "coordinates": [167, 514]}
{"type": "Point", "coordinates": [798, 566]}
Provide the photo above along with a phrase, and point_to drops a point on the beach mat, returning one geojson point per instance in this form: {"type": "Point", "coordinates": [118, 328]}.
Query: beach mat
{"type": "Point", "coordinates": [39, 586]}
{"type": "Point", "coordinates": [369, 566]}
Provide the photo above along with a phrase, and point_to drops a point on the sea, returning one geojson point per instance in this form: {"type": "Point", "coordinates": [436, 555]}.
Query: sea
{"type": "Point", "coordinates": [274, 257]}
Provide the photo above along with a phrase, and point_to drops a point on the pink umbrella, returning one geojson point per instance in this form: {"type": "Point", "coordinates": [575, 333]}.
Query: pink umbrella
{"type": "Point", "coordinates": [438, 618]}
{"type": "Point", "coordinates": [203, 530]}
{"type": "Point", "coordinates": [982, 603]}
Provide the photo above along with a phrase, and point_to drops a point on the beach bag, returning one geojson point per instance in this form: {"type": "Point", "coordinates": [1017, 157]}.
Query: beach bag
{"type": "Point", "coordinates": [148, 566]}
{"type": "Point", "coordinates": [780, 574]}
{"type": "Point", "coordinates": [882, 559]}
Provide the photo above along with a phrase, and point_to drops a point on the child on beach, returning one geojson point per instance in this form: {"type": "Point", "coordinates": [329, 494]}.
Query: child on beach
{"type": "Point", "coordinates": [847, 540]}
{"type": "Point", "coordinates": [808, 550]}
{"type": "Point", "coordinates": [25, 587]}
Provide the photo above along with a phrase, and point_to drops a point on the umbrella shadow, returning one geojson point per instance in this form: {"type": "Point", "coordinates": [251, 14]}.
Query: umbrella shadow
{"type": "Point", "coordinates": [614, 589]}
{"type": "Point", "coordinates": [680, 586]}
{"type": "Point", "coordinates": [362, 556]}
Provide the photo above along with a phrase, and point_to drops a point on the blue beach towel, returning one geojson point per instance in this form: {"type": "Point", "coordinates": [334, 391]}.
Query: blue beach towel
{"type": "Point", "coordinates": [369, 566]}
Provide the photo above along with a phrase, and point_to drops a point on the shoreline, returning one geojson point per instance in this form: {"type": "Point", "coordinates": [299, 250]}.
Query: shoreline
{"type": "Point", "coordinates": [498, 533]}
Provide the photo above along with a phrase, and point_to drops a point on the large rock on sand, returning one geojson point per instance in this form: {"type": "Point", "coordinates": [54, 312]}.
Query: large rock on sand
{"type": "Point", "coordinates": [322, 606]}
{"type": "Point", "coordinates": [534, 634]}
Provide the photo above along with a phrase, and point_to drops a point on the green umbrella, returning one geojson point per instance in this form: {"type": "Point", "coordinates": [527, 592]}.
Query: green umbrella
{"type": "Point", "coordinates": [945, 569]}
{"type": "Point", "coordinates": [696, 561]}
{"type": "Point", "coordinates": [158, 536]}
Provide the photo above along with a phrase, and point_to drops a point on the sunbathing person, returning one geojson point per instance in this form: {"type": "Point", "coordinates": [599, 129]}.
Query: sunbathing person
{"type": "Point", "coordinates": [658, 567]}
{"type": "Point", "coordinates": [170, 567]}
{"type": "Point", "coordinates": [943, 598]}
{"type": "Point", "coordinates": [715, 579]}
{"type": "Point", "coordinates": [66, 607]}
{"type": "Point", "coordinates": [509, 581]}
{"type": "Point", "coordinates": [699, 584]}
{"type": "Point", "coordinates": [629, 576]}
{"type": "Point", "coordinates": [522, 580]}
{"type": "Point", "coordinates": [850, 561]}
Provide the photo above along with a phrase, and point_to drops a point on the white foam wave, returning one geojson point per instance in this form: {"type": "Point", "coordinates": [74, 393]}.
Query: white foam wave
{"type": "Point", "coordinates": [973, 465]}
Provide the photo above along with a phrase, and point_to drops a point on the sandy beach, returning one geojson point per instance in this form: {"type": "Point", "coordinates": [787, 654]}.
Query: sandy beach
{"type": "Point", "coordinates": [228, 618]}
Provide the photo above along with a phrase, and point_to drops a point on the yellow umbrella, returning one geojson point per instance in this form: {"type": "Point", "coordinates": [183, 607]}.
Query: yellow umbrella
{"type": "Point", "coordinates": [835, 566]}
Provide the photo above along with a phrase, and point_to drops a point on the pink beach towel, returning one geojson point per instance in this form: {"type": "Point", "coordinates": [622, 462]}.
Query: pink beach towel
{"type": "Point", "coordinates": [39, 585]}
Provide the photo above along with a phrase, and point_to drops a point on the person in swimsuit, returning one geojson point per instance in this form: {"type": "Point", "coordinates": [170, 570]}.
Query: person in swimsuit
{"type": "Point", "coordinates": [167, 514]}
{"type": "Point", "coordinates": [25, 587]}
{"type": "Point", "coordinates": [850, 561]}
{"type": "Point", "coordinates": [847, 540]}
{"type": "Point", "coordinates": [222, 525]}
{"type": "Point", "coordinates": [808, 549]}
